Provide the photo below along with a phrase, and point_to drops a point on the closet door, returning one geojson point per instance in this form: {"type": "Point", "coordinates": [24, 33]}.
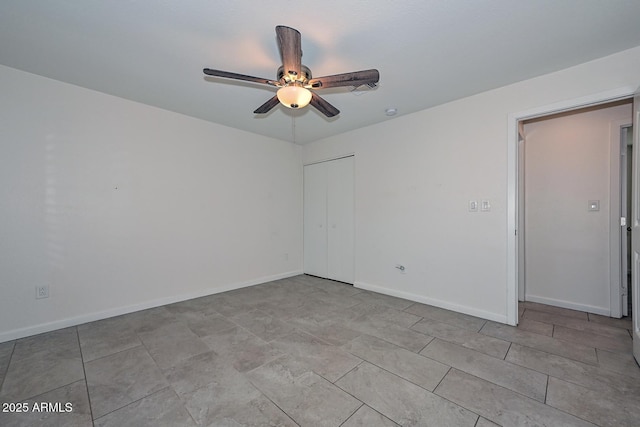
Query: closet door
{"type": "Point", "coordinates": [340, 219]}
{"type": "Point", "coordinates": [315, 219]}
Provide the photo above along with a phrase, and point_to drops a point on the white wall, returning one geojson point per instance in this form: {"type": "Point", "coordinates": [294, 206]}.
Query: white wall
{"type": "Point", "coordinates": [119, 206]}
{"type": "Point", "coordinates": [567, 163]}
{"type": "Point", "coordinates": [415, 175]}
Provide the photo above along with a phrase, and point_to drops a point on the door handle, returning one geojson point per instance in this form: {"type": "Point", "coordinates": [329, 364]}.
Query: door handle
{"type": "Point", "coordinates": [628, 228]}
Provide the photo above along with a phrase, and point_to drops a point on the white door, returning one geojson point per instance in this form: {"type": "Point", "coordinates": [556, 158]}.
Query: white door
{"type": "Point", "coordinates": [624, 234]}
{"type": "Point", "coordinates": [635, 229]}
{"type": "Point", "coordinates": [315, 219]}
{"type": "Point", "coordinates": [329, 219]}
{"type": "Point", "coordinates": [340, 219]}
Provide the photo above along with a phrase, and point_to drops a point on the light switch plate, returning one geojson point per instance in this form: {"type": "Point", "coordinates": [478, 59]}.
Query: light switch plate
{"type": "Point", "coordinates": [594, 205]}
{"type": "Point", "coordinates": [485, 206]}
{"type": "Point", "coordinates": [473, 206]}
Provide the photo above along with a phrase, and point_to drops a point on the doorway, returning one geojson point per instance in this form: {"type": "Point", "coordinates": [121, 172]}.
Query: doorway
{"type": "Point", "coordinates": [514, 120]}
{"type": "Point", "coordinates": [571, 203]}
{"type": "Point", "coordinates": [626, 166]}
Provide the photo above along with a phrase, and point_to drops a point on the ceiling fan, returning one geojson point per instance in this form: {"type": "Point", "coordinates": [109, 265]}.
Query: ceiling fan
{"type": "Point", "coordinates": [294, 81]}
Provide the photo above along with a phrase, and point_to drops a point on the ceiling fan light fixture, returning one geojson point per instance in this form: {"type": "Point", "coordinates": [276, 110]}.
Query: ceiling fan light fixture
{"type": "Point", "coordinates": [295, 82]}
{"type": "Point", "coordinates": [294, 96]}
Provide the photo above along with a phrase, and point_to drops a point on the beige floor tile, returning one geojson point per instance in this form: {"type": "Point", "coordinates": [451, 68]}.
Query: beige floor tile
{"type": "Point", "coordinates": [519, 379]}
{"type": "Point", "coordinates": [162, 408]}
{"type": "Point", "coordinates": [403, 337]}
{"type": "Point", "coordinates": [105, 337]}
{"type": "Point", "coordinates": [6, 350]}
{"type": "Point", "coordinates": [381, 299]}
{"type": "Point", "coordinates": [401, 401]}
{"type": "Point", "coordinates": [610, 343]}
{"type": "Point", "coordinates": [306, 397]}
{"type": "Point", "coordinates": [535, 326]}
{"type": "Point", "coordinates": [460, 320]}
{"type": "Point", "coordinates": [483, 422]}
{"type": "Point", "coordinates": [553, 310]}
{"type": "Point", "coordinates": [70, 409]}
{"type": "Point", "coordinates": [171, 343]}
{"type": "Point", "coordinates": [622, 363]}
{"type": "Point", "coordinates": [149, 320]}
{"type": "Point", "coordinates": [485, 344]}
{"type": "Point", "coordinates": [500, 405]}
{"type": "Point", "coordinates": [606, 410]}
{"type": "Point", "coordinates": [324, 327]}
{"type": "Point", "coordinates": [575, 351]}
{"type": "Point", "coordinates": [42, 363]}
{"type": "Point", "coordinates": [592, 377]}
{"type": "Point", "coordinates": [579, 324]}
{"type": "Point", "coordinates": [379, 313]}
{"type": "Point", "coordinates": [205, 325]}
{"type": "Point", "coordinates": [413, 367]}
{"type": "Point", "coordinates": [241, 349]}
{"type": "Point", "coordinates": [196, 372]}
{"type": "Point", "coordinates": [367, 417]}
{"type": "Point", "coordinates": [624, 322]}
{"type": "Point", "coordinates": [120, 379]}
{"type": "Point", "coordinates": [263, 325]}
{"type": "Point", "coordinates": [326, 360]}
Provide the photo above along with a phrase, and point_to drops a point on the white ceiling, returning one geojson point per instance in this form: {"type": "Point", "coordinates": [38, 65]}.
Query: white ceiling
{"type": "Point", "coordinates": [428, 52]}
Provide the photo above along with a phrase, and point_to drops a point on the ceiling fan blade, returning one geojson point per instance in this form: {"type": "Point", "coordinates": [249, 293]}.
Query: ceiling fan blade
{"type": "Point", "coordinates": [267, 106]}
{"type": "Point", "coordinates": [323, 106]}
{"type": "Point", "coordinates": [236, 76]}
{"type": "Point", "coordinates": [356, 78]}
{"type": "Point", "coordinates": [290, 45]}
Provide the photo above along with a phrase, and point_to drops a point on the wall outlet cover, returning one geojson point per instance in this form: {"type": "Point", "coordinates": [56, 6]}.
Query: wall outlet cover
{"type": "Point", "coordinates": [42, 291]}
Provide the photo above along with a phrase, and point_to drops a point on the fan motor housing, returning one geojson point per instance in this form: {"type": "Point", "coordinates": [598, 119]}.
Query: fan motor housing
{"type": "Point", "coordinates": [303, 78]}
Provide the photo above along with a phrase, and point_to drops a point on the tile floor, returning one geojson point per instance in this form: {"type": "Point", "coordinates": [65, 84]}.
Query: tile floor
{"type": "Point", "coordinates": [312, 352]}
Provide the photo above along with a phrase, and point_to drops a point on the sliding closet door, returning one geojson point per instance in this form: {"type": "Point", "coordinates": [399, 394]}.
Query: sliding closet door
{"type": "Point", "coordinates": [315, 219]}
{"type": "Point", "coordinates": [329, 219]}
{"type": "Point", "coordinates": [340, 220]}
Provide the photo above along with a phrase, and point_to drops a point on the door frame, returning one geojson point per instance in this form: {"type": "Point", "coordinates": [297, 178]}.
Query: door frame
{"type": "Point", "coordinates": [513, 121]}
{"type": "Point", "coordinates": [616, 275]}
{"type": "Point", "coordinates": [353, 225]}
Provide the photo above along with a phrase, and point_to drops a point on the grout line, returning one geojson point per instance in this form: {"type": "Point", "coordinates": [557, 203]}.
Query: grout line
{"type": "Point", "coordinates": [84, 373]}
{"type": "Point", "coordinates": [353, 413]}
{"type": "Point", "coordinates": [546, 390]}
{"type": "Point", "coordinates": [348, 372]}
{"type": "Point", "coordinates": [168, 386]}
{"type": "Point", "coordinates": [416, 322]}
{"type": "Point", "coordinates": [426, 345]}
{"type": "Point", "coordinates": [408, 380]}
{"type": "Point", "coordinates": [274, 403]}
{"type": "Point", "coordinates": [565, 411]}
{"type": "Point", "coordinates": [6, 370]}
{"type": "Point", "coordinates": [507, 352]}
{"type": "Point", "coordinates": [442, 379]}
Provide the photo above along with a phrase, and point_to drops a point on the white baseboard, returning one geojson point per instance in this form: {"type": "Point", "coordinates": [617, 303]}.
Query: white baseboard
{"type": "Point", "coordinates": [92, 317]}
{"type": "Point", "coordinates": [605, 311]}
{"type": "Point", "coordinates": [501, 318]}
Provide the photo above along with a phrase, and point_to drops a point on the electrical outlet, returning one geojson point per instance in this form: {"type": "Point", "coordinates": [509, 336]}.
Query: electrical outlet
{"type": "Point", "coordinates": [42, 291]}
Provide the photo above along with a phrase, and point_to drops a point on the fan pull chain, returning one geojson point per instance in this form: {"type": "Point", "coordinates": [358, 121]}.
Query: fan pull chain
{"type": "Point", "coordinates": [293, 128]}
